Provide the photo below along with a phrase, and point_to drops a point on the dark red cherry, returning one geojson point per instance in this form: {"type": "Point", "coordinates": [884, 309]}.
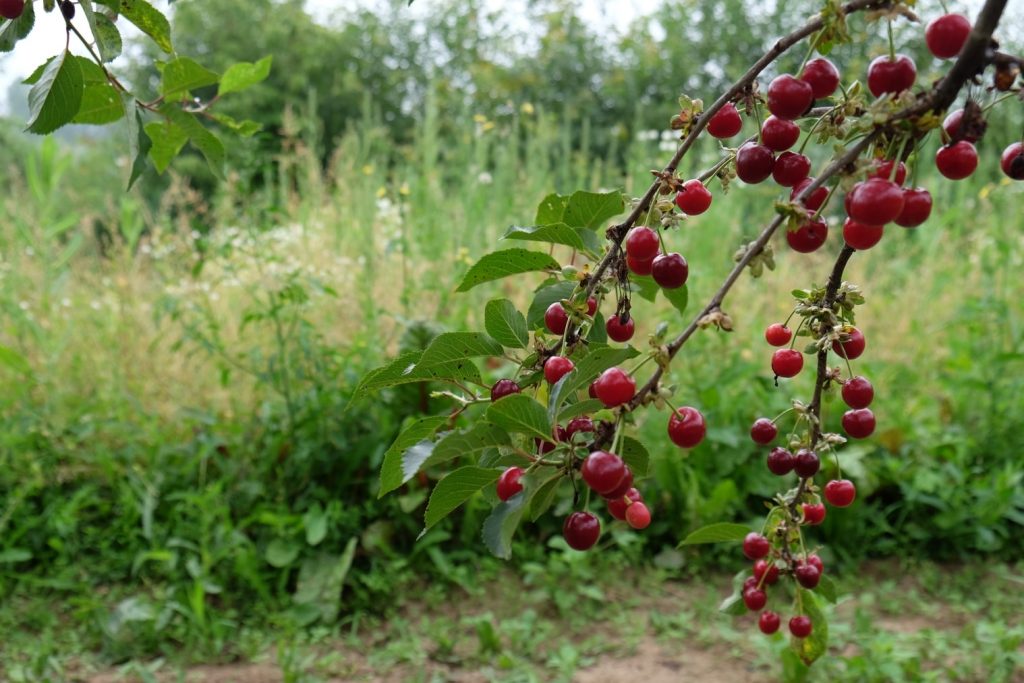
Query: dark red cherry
{"type": "Point", "coordinates": [891, 76]}
{"type": "Point", "coordinates": [769, 622]}
{"type": "Point", "coordinates": [754, 599]}
{"type": "Point", "coordinates": [778, 134]}
{"type": "Point", "coordinates": [754, 163]}
{"type": "Point", "coordinates": [603, 471]}
{"type": "Point", "coordinates": [858, 392]}
{"type": "Point", "coordinates": [946, 35]}
{"type": "Point", "coordinates": [876, 201]}
{"type": "Point", "coordinates": [619, 331]}
{"type": "Point", "coordinates": [617, 506]}
{"type": "Point", "coordinates": [883, 170]}
{"type": "Point", "coordinates": [807, 575]}
{"type": "Point", "coordinates": [763, 431]}
{"type": "Point", "coordinates": [789, 97]}
{"type": "Point", "coordinates": [503, 388]}
{"type": "Point", "coordinates": [814, 513]}
{"type": "Point", "coordinates": [780, 462]}
{"type": "Point", "coordinates": [694, 198]}
{"type": "Point", "coordinates": [852, 345]}
{"type": "Point", "coordinates": [686, 427]}
{"type": "Point", "coordinates": [790, 169]}
{"type": "Point", "coordinates": [726, 122]}
{"type": "Point", "coordinates": [581, 530]}
{"type": "Point", "coordinates": [815, 199]}
{"type": "Point", "coordinates": [756, 546]}
{"type": "Point", "coordinates": [861, 236]}
{"type": "Point", "coordinates": [800, 626]}
{"type": "Point", "coordinates": [1012, 161]}
{"type": "Point", "coordinates": [557, 367]}
{"type": "Point", "coordinates": [624, 487]}
{"type": "Point", "coordinates": [670, 271]}
{"type": "Point", "coordinates": [787, 362]}
{"type": "Point", "coordinates": [840, 492]}
{"type": "Point", "coordinates": [859, 423]}
{"type": "Point", "coordinates": [508, 483]}
{"type": "Point", "coordinates": [822, 75]}
{"type": "Point", "coordinates": [579, 425]}
{"type": "Point", "coordinates": [556, 319]}
{"type": "Point", "coordinates": [639, 266]}
{"type": "Point", "coordinates": [614, 387]}
{"type": "Point", "coordinates": [953, 129]}
{"type": "Point", "coordinates": [768, 570]}
{"type": "Point", "coordinates": [806, 463]}
{"type": "Point", "coordinates": [808, 237]}
{"type": "Point", "coordinates": [917, 207]}
{"type": "Point", "coordinates": [642, 243]}
{"type": "Point", "coordinates": [957, 161]}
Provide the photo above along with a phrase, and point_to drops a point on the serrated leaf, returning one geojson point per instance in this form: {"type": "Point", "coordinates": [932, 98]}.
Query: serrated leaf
{"type": "Point", "coordinates": [598, 333]}
{"type": "Point", "coordinates": [244, 75]}
{"type": "Point", "coordinates": [551, 209]}
{"type": "Point", "coordinates": [544, 298]}
{"type": "Point", "coordinates": [545, 496]}
{"type": "Point", "coordinates": [635, 454]}
{"type": "Point", "coordinates": [101, 104]}
{"type": "Point", "coordinates": [182, 75]}
{"type": "Point", "coordinates": [104, 32]}
{"type": "Point", "coordinates": [723, 532]}
{"type": "Point", "coordinates": [138, 140]}
{"type": "Point", "coordinates": [55, 98]}
{"type": "Point", "coordinates": [827, 589]}
{"type": "Point", "coordinates": [506, 324]}
{"type": "Point", "coordinates": [591, 209]}
{"type": "Point", "coordinates": [13, 31]}
{"type": "Point", "coordinates": [404, 370]}
{"type": "Point", "coordinates": [149, 20]}
{"type": "Point", "coordinates": [678, 297]}
{"type": "Point", "coordinates": [521, 414]}
{"type": "Point", "coordinates": [392, 474]}
{"type": "Point", "coordinates": [500, 264]}
{"type": "Point", "coordinates": [166, 142]}
{"type": "Point", "coordinates": [597, 361]}
{"type": "Point", "coordinates": [202, 139]}
{"type": "Point", "coordinates": [555, 233]}
{"type": "Point", "coordinates": [455, 489]}
{"type": "Point", "coordinates": [468, 442]}
{"type": "Point", "coordinates": [644, 286]}
{"type": "Point", "coordinates": [815, 645]}
{"type": "Point", "coordinates": [591, 405]}
{"type": "Point", "coordinates": [451, 347]}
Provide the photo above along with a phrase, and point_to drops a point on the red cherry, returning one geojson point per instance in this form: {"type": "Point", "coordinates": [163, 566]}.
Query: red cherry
{"type": "Point", "coordinates": [952, 126]}
{"type": "Point", "coordinates": [694, 198]}
{"type": "Point", "coordinates": [557, 367]}
{"type": "Point", "coordinates": [638, 516]}
{"type": "Point", "coordinates": [876, 201]}
{"type": "Point", "coordinates": [883, 170]}
{"type": "Point", "coordinates": [754, 599]}
{"type": "Point", "coordinates": [592, 391]}
{"type": "Point", "coordinates": [618, 506]}
{"type": "Point", "coordinates": [946, 35]}
{"type": "Point", "coordinates": [768, 570]}
{"type": "Point", "coordinates": [859, 423]}
{"type": "Point", "coordinates": [558, 434]}
{"type": "Point", "coordinates": [957, 161]}
{"type": "Point", "coordinates": [749, 583]}
{"type": "Point", "coordinates": [808, 237]}
{"type": "Point", "coordinates": [917, 206]}
{"type": "Point", "coordinates": [858, 392]}
{"type": "Point", "coordinates": [581, 530]}
{"type": "Point", "coordinates": [754, 163]}
{"type": "Point", "coordinates": [508, 483]}
{"type": "Point", "coordinates": [781, 462]}
{"type": "Point", "coordinates": [726, 122]}
{"type": "Point", "coordinates": [840, 492]}
{"type": "Point", "coordinates": [816, 562]}
{"type": "Point", "coordinates": [619, 331]}
{"type": "Point", "coordinates": [800, 626]}
{"type": "Point", "coordinates": [769, 622]}
{"type": "Point", "coordinates": [686, 427]}
{"type": "Point", "coordinates": [624, 487]}
{"type": "Point", "coordinates": [853, 346]}
{"type": "Point", "coordinates": [603, 471]}
{"type": "Point", "coordinates": [11, 9]}
{"type": "Point", "coordinates": [642, 244]}
{"type": "Point", "coordinates": [756, 546]}
{"type": "Point", "coordinates": [614, 387]}
{"type": "Point", "coordinates": [787, 362]}
{"type": "Point", "coordinates": [885, 76]}
{"type": "Point", "coordinates": [763, 431]}
{"type": "Point", "coordinates": [639, 266]}
{"type": "Point", "coordinates": [806, 463]}
{"type": "Point", "coordinates": [670, 271]}
{"type": "Point", "coordinates": [815, 199]}
{"type": "Point", "coordinates": [789, 97]}
{"type": "Point", "coordinates": [578, 425]}
{"type": "Point", "coordinates": [814, 513]}
{"type": "Point", "coordinates": [556, 319]}
{"type": "Point", "coordinates": [807, 575]}
{"type": "Point", "coordinates": [778, 334]}
{"type": "Point", "coordinates": [591, 306]}
{"type": "Point", "coordinates": [822, 75]}
{"type": "Point", "coordinates": [778, 134]}
{"type": "Point", "coordinates": [790, 169]}
{"type": "Point", "coordinates": [860, 235]}
{"type": "Point", "coordinates": [503, 388]}
{"type": "Point", "coordinates": [1012, 161]}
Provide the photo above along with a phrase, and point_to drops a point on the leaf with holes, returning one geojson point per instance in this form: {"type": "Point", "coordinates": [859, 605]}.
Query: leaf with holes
{"type": "Point", "coordinates": [148, 19]}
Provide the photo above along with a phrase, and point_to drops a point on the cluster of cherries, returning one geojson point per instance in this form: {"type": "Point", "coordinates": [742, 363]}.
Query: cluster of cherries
{"type": "Point", "coordinates": [807, 571]}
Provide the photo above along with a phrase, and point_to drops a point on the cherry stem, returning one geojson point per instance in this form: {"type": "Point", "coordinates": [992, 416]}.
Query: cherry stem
{"type": "Point", "coordinates": [824, 204]}
{"type": "Point", "coordinates": [892, 44]}
{"type": "Point", "coordinates": [757, 114]}
{"type": "Point", "coordinates": [784, 412]}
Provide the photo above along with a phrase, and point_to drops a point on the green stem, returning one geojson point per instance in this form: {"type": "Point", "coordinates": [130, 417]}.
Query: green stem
{"type": "Point", "coordinates": [892, 44]}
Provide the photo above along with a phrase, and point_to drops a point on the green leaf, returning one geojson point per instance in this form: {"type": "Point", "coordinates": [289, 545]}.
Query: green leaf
{"type": "Point", "coordinates": [815, 645]}
{"type": "Point", "coordinates": [244, 75]}
{"type": "Point", "coordinates": [598, 332]}
{"type": "Point", "coordinates": [827, 589]}
{"type": "Point", "coordinates": [551, 209]}
{"type": "Point", "coordinates": [544, 298]}
{"type": "Point", "coordinates": [591, 405]}
{"type": "Point", "coordinates": [391, 472]}
{"type": "Point", "coordinates": [166, 141]}
{"type": "Point", "coordinates": [202, 139]}
{"type": "Point", "coordinates": [281, 552]}
{"type": "Point", "coordinates": [733, 605]}
{"type": "Point", "coordinates": [138, 140]}
{"type": "Point", "coordinates": [320, 582]}
{"type": "Point", "coordinates": [246, 128]}
{"type": "Point", "coordinates": [13, 31]}
{"type": "Point", "coordinates": [591, 210]}
{"type": "Point", "coordinates": [14, 360]}
{"type": "Point", "coordinates": [557, 395]}
{"type": "Point", "coordinates": [499, 264]}
{"type": "Point", "coordinates": [13, 555]}
{"type": "Point", "coordinates": [315, 523]}
{"type": "Point", "coordinates": [183, 75]}
{"type": "Point", "coordinates": [521, 414]}
{"type": "Point", "coordinates": [501, 524]}
{"type": "Point", "coordinates": [479, 437]}
{"type": "Point", "coordinates": [555, 233]}
{"type": "Point", "coordinates": [597, 361]}
{"type": "Point", "coordinates": [544, 497]}
{"type": "Point", "coordinates": [104, 32]}
{"type": "Point", "coordinates": [54, 100]}
{"type": "Point", "coordinates": [452, 347]}
{"type": "Point", "coordinates": [506, 324]}
{"type": "Point", "coordinates": [636, 456]}
{"type": "Point", "coordinates": [644, 286]}
{"type": "Point", "coordinates": [455, 489]}
{"type": "Point", "coordinates": [405, 370]}
{"type": "Point", "coordinates": [101, 104]}
{"type": "Point", "coordinates": [149, 20]}
{"type": "Point", "coordinates": [678, 297]}
{"type": "Point", "coordinates": [722, 532]}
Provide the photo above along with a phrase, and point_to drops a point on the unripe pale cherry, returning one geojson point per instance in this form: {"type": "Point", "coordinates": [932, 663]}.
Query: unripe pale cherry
{"type": "Point", "coordinates": [618, 506]}
{"type": "Point", "coordinates": [686, 427]}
